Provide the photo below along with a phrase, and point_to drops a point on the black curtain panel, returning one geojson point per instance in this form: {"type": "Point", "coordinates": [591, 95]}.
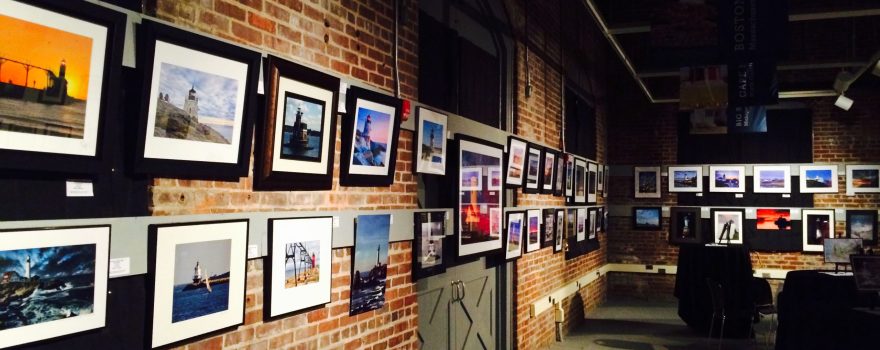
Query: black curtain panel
{"type": "Point", "coordinates": [580, 126]}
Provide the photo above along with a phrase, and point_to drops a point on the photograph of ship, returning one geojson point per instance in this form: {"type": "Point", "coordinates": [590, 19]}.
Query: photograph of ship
{"type": "Point", "coordinates": [371, 138]}
{"type": "Point", "coordinates": [533, 229]}
{"type": "Point", "coordinates": [477, 204]}
{"type": "Point", "coordinates": [818, 228]}
{"type": "Point", "coordinates": [302, 261]}
{"type": "Point", "coordinates": [862, 224]}
{"type": "Point", "coordinates": [838, 250]}
{"type": "Point", "coordinates": [201, 279]}
{"type": "Point", "coordinates": [772, 178]}
{"type": "Point", "coordinates": [647, 182]}
{"type": "Point", "coordinates": [514, 233]}
{"type": "Point", "coordinates": [865, 178]}
{"type": "Point", "coordinates": [728, 226]}
{"type": "Point", "coordinates": [370, 263]}
{"type": "Point", "coordinates": [819, 178]}
{"type": "Point", "coordinates": [44, 79]}
{"type": "Point", "coordinates": [195, 105]}
{"type": "Point", "coordinates": [774, 219]}
{"type": "Point", "coordinates": [647, 218]}
{"type": "Point", "coordinates": [432, 144]}
{"type": "Point", "coordinates": [685, 178]}
{"type": "Point", "coordinates": [727, 178]}
{"type": "Point", "coordinates": [303, 128]}
{"type": "Point", "coordinates": [432, 240]}
{"type": "Point", "coordinates": [40, 285]}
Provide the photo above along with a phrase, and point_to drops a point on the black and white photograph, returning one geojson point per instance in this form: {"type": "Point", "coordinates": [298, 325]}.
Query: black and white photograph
{"type": "Point", "coordinates": [429, 235]}
{"type": "Point", "coordinates": [580, 181]}
{"type": "Point", "coordinates": [298, 267]}
{"type": "Point", "coordinates": [559, 232]}
{"type": "Point", "coordinates": [548, 227]}
{"type": "Point", "coordinates": [728, 226]}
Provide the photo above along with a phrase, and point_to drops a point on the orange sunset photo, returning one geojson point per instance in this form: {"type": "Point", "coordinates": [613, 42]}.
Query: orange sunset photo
{"type": "Point", "coordinates": [44, 79]}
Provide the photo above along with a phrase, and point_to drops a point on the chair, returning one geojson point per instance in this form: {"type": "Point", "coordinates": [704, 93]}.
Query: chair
{"type": "Point", "coordinates": [720, 311]}
{"type": "Point", "coordinates": [764, 305]}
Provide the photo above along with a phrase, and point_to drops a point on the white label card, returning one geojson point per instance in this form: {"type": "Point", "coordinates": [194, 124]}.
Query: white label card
{"type": "Point", "coordinates": [80, 188]}
{"type": "Point", "coordinates": [335, 222]}
{"type": "Point", "coordinates": [253, 251]}
{"type": "Point", "coordinates": [739, 195]}
{"type": "Point", "coordinates": [120, 267]}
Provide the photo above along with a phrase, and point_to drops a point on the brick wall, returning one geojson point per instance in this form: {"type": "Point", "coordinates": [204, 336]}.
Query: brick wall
{"type": "Point", "coordinates": [351, 38]}
{"type": "Point", "coordinates": [645, 134]}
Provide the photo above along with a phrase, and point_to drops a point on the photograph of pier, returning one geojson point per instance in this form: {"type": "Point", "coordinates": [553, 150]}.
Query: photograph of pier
{"type": "Point", "coordinates": [301, 263]}
{"type": "Point", "coordinates": [195, 105]}
{"type": "Point", "coordinates": [44, 79]}
{"type": "Point", "coordinates": [45, 284]}
{"type": "Point", "coordinates": [303, 128]}
{"type": "Point", "coordinates": [201, 279]}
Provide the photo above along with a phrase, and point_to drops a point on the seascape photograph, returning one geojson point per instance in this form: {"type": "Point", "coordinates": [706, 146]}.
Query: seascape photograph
{"type": "Point", "coordinates": [821, 178]}
{"type": "Point", "coordinates": [727, 178]}
{"type": "Point", "coordinates": [647, 217]}
{"type": "Point", "coordinates": [865, 178]}
{"type": "Point", "coordinates": [369, 263]}
{"type": "Point", "coordinates": [303, 128]}
{"type": "Point", "coordinates": [774, 219]}
{"type": "Point", "coordinates": [534, 227]}
{"type": "Point", "coordinates": [533, 166]}
{"type": "Point", "coordinates": [371, 138]}
{"type": "Point", "coordinates": [201, 279]}
{"type": "Point", "coordinates": [195, 105]}
{"type": "Point", "coordinates": [514, 169]}
{"type": "Point", "coordinates": [772, 179]}
{"type": "Point", "coordinates": [302, 263]}
{"type": "Point", "coordinates": [685, 178]}
{"type": "Point", "coordinates": [39, 285]}
{"type": "Point", "coordinates": [861, 225]}
{"type": "Point", "coordinates": [514, 233]}
{"type": "Point", "coordinates": [44, 79]}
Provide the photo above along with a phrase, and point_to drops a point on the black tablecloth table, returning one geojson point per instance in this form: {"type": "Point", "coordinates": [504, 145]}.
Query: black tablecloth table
{"type": "Point", "coordinates": [729, 265]}
{"type": "Point", "coordinates": [817, 311]}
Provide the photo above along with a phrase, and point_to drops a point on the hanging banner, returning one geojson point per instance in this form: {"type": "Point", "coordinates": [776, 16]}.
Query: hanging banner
{"type": "Point", "coordinates": [746, 119]}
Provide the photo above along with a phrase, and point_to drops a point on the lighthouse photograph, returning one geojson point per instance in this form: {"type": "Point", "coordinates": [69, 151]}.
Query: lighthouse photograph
{"type": "Point", "coordinates": [40, 285]}
{"type": "Point", "coordinates": [201, 279]}
{"type": "Point", "coordinates": [370, 263]}
{"type": "Point", "coordinates": [195, 105]}
{"type": "Point", "coordinates": [303, 128]}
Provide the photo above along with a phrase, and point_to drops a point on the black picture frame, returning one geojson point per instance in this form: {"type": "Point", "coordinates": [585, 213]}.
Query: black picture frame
{"type": "Point", "coordinates": [736, 232]}
{"type": "Point", "coordinates": [355, 175]}
{"type": "Point", "coordinates": [559, 231]}
{"type": "Point", "coordinates": [593, 225]}
{"type": "Point", "coordinates": [592, 182]}
{"type": "Point", "coordinates": [548, 227]}
{"type": "Point", "coordinates": [517, 252]}
{"type": "Point", "coordinates": [685, 226]}
{"type": "Point", "coordinates": [419, 235]}
{"type": "Point", "coordinates": [559, 177]}
{"type": "Point", "coordinates": [569, 192]}
{"type": "Point", "coordinates": [861, 218]}
{"type": "Point", "coordinates": [34, 154]}
{"type": "Point", "coordinates": [515, 162]}
{"type": "Point", "coordinates": [310, 88]}
{"type": "Point", "coordinates": [548, 182]}
{"type": "Point", "coordinates": [423, 115]}
{"type": "Point", "coordinates": [205, 161]}
{"type": "Point", "coordinates": [153, 232]}
{"type": "Point", "coordinates": [491, 199]}
{"type": "Point", "coordinates": [534, 161]}
{"type": "Point", "coordinates": [580, 182]}
{"type": "Point", "coordinates": [643, 218]}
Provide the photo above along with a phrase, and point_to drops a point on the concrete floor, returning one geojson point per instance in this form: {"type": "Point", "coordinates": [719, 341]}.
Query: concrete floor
{"type": "Point", "coordinates": [643, 325]}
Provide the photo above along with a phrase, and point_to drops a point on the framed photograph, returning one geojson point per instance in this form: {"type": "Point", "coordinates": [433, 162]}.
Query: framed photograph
{"type": "Point", "coordinates": [580, 181]}
{"type": "Point", "coordinates": [818, 179]}
{"type": "Point", "coordinates": [494, 180]}
{"type": "Point", "coordinates": [53, 282]}
{"type": "Point", "coordinates": [430, 156]}
{"type": "Point", "coordinates": [478, 206]}
{"type": "Point", "coordinates": [862, 179]}
{"type": "Point", "coordinates": [818, 225]}
{"type": "Point", "coordinates": [607, 181]}
{"type": "Point", "coordinates": [600, 216]}
{"type": "Point", "coordinates": [533, 227]}
{"type": "Point", "coordinates": [838, 250]}
{"type": "Point", "coordinates": [600, 188]}
{"type": "Point", "coordinates": [862, 224]}
{"type": "Point", "coordinates": [549, 227]}
{"type": "Point", "coordinates": [296, 137]}
{"type": "Point", "coordinates": [60, 67]}
{"type": "Point", "coordinates": [728, 226]}
{"type": "Point", "coordinates": [685, 179]}
{"type": "Point", "coordinates": [570, 229]}
{"type": "Point", "coordinates": [647, 182]}
{"type": "Point", "coordinates": [594, 224]}
{"type": "Point", "coordinates": [771, 179]}
{"type": "Point", "coordinates": [592, 182]}
{"type": "Point", "coordinates": [581, 224]}
{"type": "Point", "coordinates": [428, 240]}
{"type": "Point", "coordinates": [471, 178]}
{"type": "Point", "coordinates": [559, 176]}
{"type": "Point", "coordinates": [369, 267]}
{"type": "Point", "coordinates": [516, 162]}
{"type": "Point", "coordinates": [646, 218]}
{"type": "Point", "coordinates": [866, 270]}
{"type": "Point", "coordinates": [533, 180]}
{"type": "Point", "coordinates": [298, 270]}
{"type": "Point", "coordinates": [370, 131]}
{"type": "Point", "coordinates": [197, 275]}
{"type": "Point", "coordinates": [559, 231]}
{"type": "Point", "coordinates": [513, 243]}
{"type": "Point", "coordinates": [773, 219]}
{"type": "Point", "coordinates": [548, 171]}
{"type": "Point", "coordinates": [727, 179]}
{"type": "Point", "coordinates": [569, 175]}
{"type": "Point", "coordinates": [200, 97]}
{"type": "Point", "coordinates": [684, 226]}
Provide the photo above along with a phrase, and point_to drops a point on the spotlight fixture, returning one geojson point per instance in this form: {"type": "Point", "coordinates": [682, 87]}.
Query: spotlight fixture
{"type": "Point", "coordinates": [843, 102]}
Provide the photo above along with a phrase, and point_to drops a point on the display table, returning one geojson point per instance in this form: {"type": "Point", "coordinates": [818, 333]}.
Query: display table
{"type": "Point", "coordinates": [729, 265]}
{"type": "Point", "coordinates": [819, 311]}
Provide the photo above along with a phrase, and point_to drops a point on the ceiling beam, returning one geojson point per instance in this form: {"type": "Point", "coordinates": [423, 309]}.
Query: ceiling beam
{"type": "Point", "coordinates": [782, 67]}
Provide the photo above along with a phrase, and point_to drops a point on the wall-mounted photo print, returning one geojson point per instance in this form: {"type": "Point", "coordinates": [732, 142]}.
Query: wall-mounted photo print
{"type": "Point", "coordinates": [369, 138]}
{"type": "Point", "coordinates": [728, 226]}
{"type": "Point", "coordinates": [580, 181]}
{"type": "Point", "coordinates": [684, 225]}
{"type": "Point", "coordinates": [773, 219]}
{"type": "Point", "coordinates": [646, 218]}
{"type": "Point", "coordinates": [647, 182]}
{"type": "Point", "coordinates": [533, 230]}
{"type": "Point", "coordinates": [838, 250]}
{"type": "Point", "coordinates": [494, 179]}
{"type": "Point", "coordinates": [369, 267]}
{"type": "Point", "coordinates": [478, 205]}
{"type": "Point", "coordinates": [685, 179]}
{"type": "Point", "coordinates": [569, 175]}
{"type": "Point", "coordinates": [594, 224]}
{"type": "Point", "coordinates": [559, 232]}
{"type": "Point", "coordinates": [818, 179]}
{"type": "Point", "coordinates": [428, 243]}
{"type": "Point", "coordinates": [298, 268]}
{"type": "Point", "coordinates": [53, 282]}
{"type": "Point", "coordinates": [581, 224]}
{"type": "Point", "coordinates": [516, 223]}
{"type": "Point", "coordinates": [818, 225]}
{"type": "Point", "coordinates": [430, 156]}
{"type": "Point", "coordinates": [548, 171]}
{"type": "Point", "coordinates": [559, 178]}
{"type": "Point", "coordinates": [727, 179]}
{"type": "Point", "coordinates": [533, 178]}
{"type": "Point", "coordinates": [862, 224]}
{"type": "Point", "coordinates": [771, 179]}
{"type": "Point", "coordinates": [548, 227]}
{"type": "Point", "coordinates": [516, 161]}
{"type": "Point", "coordinates": [862, 179]}
{"type": "Point", "coordinates": [592, 182]}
